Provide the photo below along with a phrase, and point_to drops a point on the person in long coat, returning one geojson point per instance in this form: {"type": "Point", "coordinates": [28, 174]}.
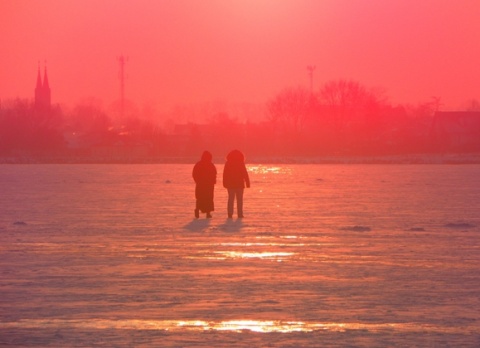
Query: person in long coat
{"type": "Point", "coordinates": [235, 179]}
{"type": "Point", "coordinates": [205, 177]}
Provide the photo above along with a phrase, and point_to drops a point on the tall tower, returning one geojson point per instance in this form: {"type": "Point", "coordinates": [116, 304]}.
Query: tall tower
{"type": "Point", "coordinates": [42, 91]}
{"type": "Point", "coordinates": [38, 90]}
{"type": "Point", "coordinates": [46, 90]}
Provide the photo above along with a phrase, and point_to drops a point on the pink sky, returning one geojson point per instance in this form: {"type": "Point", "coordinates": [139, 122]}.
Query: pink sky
{"type": "Point", "coordinates": [194, 51]}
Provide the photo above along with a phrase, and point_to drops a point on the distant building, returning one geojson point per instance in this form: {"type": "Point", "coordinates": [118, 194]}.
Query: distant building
{"type": "Point", "coordinates": [456, 130]}
{"type": "Point", "coordinates": [42, 92]}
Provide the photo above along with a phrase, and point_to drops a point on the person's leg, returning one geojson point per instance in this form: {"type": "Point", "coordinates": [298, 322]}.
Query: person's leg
{"type": "Point", "coordinates": [209, 203]}
{"type": "Point", "coordinates": [240, 202]}
{"type": "Point", "coordinates": [231, 199]}
{"type": "Point", "coordinates": [197, 202]}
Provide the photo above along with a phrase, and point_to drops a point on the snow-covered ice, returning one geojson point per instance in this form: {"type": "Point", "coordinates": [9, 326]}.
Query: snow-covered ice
{"type": "Point", "coordinates": [328, 255]}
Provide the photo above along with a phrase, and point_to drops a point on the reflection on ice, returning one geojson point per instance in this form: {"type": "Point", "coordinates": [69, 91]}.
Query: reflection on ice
{"type": "Point", "coordinates": [278, 255]}
{"type": "Point", "coordinates": [267, 249]}
{"type": "Point", "coordinates": [261, 326]}
{"type": "Point", "coordinates": [261, 244]}
{"type": "Point", "coordinates": [263, 169]}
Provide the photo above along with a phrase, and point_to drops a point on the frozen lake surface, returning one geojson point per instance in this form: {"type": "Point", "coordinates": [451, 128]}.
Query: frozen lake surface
{"type": "Point", "coordinates": [328, 255]}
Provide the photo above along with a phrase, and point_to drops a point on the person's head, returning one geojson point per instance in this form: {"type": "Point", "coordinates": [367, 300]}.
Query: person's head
{"type": "Point", "coordinates": [207, 156]}
{"type": "Point", "coordinates": [235, 156]}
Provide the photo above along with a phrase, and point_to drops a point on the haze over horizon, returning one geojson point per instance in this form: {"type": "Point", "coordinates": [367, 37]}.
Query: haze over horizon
{"type": "Point", "coordinates": [189, 52]}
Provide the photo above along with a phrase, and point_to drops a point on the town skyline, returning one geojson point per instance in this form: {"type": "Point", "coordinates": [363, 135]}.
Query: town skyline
{"type": "Point", "coordinates": [344, 118]}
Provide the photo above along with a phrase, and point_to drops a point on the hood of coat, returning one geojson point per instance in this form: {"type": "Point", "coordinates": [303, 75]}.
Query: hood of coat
{"type": "Point", "coordinates": [235, 156]}
{"type": "Point", "coordinates": [207, 156]}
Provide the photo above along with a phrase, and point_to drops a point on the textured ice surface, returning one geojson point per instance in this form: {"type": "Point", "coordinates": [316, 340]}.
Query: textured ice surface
{"type": "Point", "coordinates": [328, 255]}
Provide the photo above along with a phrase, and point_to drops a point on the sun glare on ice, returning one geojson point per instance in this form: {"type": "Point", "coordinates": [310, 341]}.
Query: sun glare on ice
{"type": "Point", "coordinates": [260, 326]}
{"type": "Point", "coordinates": [260, 255]}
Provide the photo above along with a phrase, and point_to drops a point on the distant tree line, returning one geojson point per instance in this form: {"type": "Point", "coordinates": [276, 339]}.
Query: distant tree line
{"type": "Point", "coordinates": [342, 118]}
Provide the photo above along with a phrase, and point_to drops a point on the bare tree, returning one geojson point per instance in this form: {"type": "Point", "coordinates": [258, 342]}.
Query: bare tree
{"type": "Point", "coordinates": [344, 100]}
{"type": "Point", "coordinates": [352, 111]}
{"type": "Point", "coordinates": [289, 112]}
{"type": "Point", "coordinates": [291, 109]}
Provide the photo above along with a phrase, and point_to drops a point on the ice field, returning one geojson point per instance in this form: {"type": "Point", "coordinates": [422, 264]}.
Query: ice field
{"type": "Point", "coordinates": [326, 256]}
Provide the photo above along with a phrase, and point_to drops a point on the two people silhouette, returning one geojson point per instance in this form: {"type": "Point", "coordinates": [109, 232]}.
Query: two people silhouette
{"type": "Point", "coordinates": [235, 179]}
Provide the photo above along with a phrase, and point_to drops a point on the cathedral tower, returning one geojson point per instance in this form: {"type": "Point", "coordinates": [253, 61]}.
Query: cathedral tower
{"type": "Point", "coordinates": [42, 91]}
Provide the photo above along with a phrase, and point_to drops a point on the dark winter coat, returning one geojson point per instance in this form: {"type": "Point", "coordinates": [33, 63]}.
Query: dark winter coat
{"type": "Point", "coordinates": [205, 177]}
{"type": "Point", "coordinates": [204, 173]}
{"type": "Point", "coordinates": [235, 174]}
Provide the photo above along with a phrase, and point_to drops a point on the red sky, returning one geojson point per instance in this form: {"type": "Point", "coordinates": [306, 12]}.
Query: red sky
{"type": "Point", "coordinates": [195, 51]}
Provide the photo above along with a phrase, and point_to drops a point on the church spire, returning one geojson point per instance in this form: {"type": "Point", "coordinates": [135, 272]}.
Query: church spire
{"type": "Point", "coordinates": [45, 80]}
{"type": "Point", "coordinates": [46, 89]}
{"type": "Point", "coordinates": [38, 89]}
{"type": "Point", "coordinates": [39, 80]}
{"type": "Point", "coordinates": [42, 91]}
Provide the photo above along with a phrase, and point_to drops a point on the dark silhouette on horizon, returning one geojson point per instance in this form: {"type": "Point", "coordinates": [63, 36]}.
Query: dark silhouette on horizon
{"type": "Point", "coordinates": [205, 176]}
{"type": "Point", "coordinates": [341, 119]}
{"type": "Point", "coordinates": [42, 92]}
{"type": "Point", "coordinates": [235, 179]}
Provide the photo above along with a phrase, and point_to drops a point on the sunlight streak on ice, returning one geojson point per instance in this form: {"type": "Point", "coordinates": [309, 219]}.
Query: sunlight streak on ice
{"type": "Point", "coordinates": [260, 255]}
{"type": "Point", "coordinates": [262, 244]}
{"type": "Point", "coordinates": [262, 169]}
{"type": "Point", "coordinates": [260, 326]}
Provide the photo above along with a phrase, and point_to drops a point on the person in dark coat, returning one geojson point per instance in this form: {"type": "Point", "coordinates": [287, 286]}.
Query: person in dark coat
{"type": "Point", "coordinates": [235, 179]}
{"type": "Point", "coordinates": [205, 177]}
